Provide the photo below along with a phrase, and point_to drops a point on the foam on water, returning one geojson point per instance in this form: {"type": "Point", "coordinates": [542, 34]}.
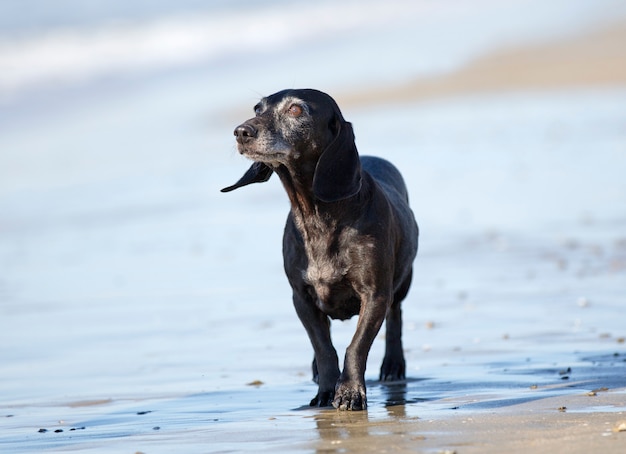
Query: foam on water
{"type": "Point", "coordinates": [215, 34]}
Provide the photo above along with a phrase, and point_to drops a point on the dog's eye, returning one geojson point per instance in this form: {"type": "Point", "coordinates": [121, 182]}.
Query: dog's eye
{"type": "Point", "coordinates": [295, 110]}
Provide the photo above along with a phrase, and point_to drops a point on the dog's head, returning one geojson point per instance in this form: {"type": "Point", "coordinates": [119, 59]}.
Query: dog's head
{"type": "Point", "coordinates": [304, 131]}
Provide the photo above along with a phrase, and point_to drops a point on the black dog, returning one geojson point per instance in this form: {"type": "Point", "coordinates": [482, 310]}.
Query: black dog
{"type": "Point", "coordinates": [350, 237]}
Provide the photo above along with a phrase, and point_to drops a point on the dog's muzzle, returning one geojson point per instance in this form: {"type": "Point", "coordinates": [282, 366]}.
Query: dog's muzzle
{"type": "Point", "coordinates": [244, 133]}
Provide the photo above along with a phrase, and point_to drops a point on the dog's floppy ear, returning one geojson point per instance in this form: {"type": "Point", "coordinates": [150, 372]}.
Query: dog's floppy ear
{"type": "Point", "coordinates": [338, 171]}
{"type": "Point", "coordinates": [257, 173]}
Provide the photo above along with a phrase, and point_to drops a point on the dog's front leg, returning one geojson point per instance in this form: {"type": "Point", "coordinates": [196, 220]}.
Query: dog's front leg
{"type": "Point", "coordinates": [317, 326]}
{"type": "Point", "coordinates": [350, 393]}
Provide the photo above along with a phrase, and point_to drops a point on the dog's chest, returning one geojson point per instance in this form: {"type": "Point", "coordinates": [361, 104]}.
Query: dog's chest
{"type": "Point", "coordinates": [328, 273]}
{"type": "Point", "coordinates": [325, 271]}
{"type": "Point", "coordinates": [327, 261]}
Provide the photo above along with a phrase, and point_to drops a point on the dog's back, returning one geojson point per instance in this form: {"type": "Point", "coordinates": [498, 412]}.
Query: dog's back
{"type": "Point", "coordinates": [386, 174]}
{"type": "Point", "coordinates": [391, 182]}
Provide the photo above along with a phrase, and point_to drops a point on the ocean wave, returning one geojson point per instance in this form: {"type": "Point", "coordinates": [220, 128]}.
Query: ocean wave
{"type": "Point", "coordinates": [73, 55]}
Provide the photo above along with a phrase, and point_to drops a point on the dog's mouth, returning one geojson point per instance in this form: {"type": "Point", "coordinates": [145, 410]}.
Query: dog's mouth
{"type": "Point", "coordinates": [265, 156]}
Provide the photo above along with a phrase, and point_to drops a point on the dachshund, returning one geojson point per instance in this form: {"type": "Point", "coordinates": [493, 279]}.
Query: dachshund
{"type": "Point", "coordinates": [350, 238]}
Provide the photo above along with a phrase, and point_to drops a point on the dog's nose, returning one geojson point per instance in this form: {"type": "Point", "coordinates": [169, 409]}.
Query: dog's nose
{"type": "Point", "coordinates": [245, 132]}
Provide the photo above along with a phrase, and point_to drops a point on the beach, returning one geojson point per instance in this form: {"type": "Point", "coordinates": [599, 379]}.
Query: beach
{"type": "Point", "coordinates": [141, 310]}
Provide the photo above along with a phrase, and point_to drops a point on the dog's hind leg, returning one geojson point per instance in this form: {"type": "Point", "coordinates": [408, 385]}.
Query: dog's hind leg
{"type": "Point", "coordinates": [316, 374]}
{"type": "Point", "coordinates": [394, 366]}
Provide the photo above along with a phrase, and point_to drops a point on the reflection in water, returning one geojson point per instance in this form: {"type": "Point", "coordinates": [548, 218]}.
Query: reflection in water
{"type": "Point", "coordinates": [342, 430]}
{"type": "Point", "coordinates": [395, 399]}
{"type": "Point", "coordinates": [348, 431]}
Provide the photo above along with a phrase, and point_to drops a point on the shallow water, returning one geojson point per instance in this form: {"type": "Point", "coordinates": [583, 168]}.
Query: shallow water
{"type": "Point", "coordinates": [145, 328]}
{"type": "Point", "coordinates": [141, 309]}
{"type": "Point", "coordinates": [261, 419]}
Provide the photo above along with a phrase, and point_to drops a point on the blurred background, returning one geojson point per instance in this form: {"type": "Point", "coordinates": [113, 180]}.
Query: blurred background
{"type": "Point", "coordinates": [124, 271]}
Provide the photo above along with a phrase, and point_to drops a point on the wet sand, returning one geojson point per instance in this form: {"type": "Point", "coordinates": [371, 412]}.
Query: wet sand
{"type": "Point", "coordinates": [514, 337]}
{"type": "Point", "coordinates": [564, 410]}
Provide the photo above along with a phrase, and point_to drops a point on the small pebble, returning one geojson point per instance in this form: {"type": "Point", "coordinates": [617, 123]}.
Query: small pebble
{"type": "Point", "coordinates": [620, 427]}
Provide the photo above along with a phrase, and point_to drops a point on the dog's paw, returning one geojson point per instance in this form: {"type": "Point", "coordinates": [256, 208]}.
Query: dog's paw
{"type": "Point", "coordinates": [393, 369]}
{"type": "Point", "coordinates": [323, 399]}
{"type": "Point", "coordinates": [350, 396]}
